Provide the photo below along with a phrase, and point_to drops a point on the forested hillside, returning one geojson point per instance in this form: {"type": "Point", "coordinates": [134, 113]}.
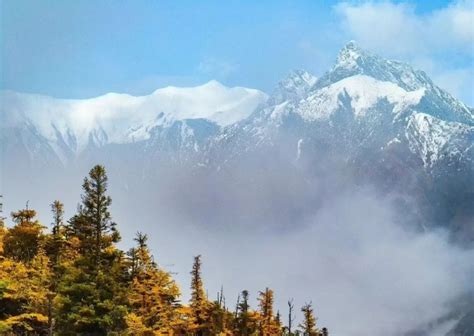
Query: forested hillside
{"type": "Point", "coordinates": [72, 279]}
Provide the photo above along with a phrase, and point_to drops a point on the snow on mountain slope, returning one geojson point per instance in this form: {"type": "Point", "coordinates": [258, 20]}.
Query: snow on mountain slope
{"type": "Point", "coordinates": [122, 118]}
{"type": "Point", "coordinates": [294, 87]}
{"type": "Point", "coordinates": [353, 61]}
{"type": "Point", "coordinates": [363, 99]}
{"type": "Point", "coordinates": [364, 93]}
{"type": "Point", "coordinates": [433, 138]}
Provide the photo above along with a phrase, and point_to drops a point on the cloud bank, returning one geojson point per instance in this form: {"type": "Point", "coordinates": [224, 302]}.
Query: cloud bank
{"type": "Point", "coordinates": [341, 247]}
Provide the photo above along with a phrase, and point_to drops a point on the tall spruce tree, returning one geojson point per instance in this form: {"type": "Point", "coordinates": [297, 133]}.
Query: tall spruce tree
{"type": "Point", "coordinates": [245, 324]}
{"type": "Point", "coordinates": [199, 304]}
{"type": "Point", "coordinates": [92, 293]}
{"type": "Point", "coordinates": [55, 242]}
{"type": "Point", "coordinates": [95, 205]}
{"type": "Point", "coordinates": [55, 246]}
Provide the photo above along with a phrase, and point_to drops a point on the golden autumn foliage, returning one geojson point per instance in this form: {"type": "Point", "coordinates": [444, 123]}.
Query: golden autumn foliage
{"type": "Point", "coordinates": [74, 280]}
{"type": "Point", "coordinates": [24, 296]}
{"type": "Point", "coordinates": [153, 294]}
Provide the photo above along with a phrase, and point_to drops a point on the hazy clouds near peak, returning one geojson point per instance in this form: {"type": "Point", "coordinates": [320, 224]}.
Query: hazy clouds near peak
{"type": "Point", "coordinates": [312, 238]}
{"type": "Point", "coordinates": [364, 274]}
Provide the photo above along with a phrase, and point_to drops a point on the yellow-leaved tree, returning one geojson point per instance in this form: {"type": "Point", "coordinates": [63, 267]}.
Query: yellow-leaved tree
{"type": "Point", "coordinates": [308, 325]}
{"type": "Point", "coordinates": [268, 324]}
{"type": "Point", "coordinates": [152, 296]}
{"type": "Point", "coordinates": [24, 278]}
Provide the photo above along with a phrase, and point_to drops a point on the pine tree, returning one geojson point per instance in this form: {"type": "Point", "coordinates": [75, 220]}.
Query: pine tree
{"type": "Point", "coordinates": [245, 321]}
{"type": "Point", "coordinates": [199, 304]}
{"type": "Point", "coordinates": [96, 205]}
{"type": "Point", "coordinates": [92, 293]}
{"type": "Point", "coordinates": [309, 321]}
{"type": "Point", "coordinates": [56, 242]}
{"type": "Point", "coordinates": [56, 247]}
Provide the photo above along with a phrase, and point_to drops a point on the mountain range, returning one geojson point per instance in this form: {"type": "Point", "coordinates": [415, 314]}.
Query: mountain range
{"type": "Point", "coordinates": [366, 121]}
{"type": "Point", "coordinates": [360, 89]}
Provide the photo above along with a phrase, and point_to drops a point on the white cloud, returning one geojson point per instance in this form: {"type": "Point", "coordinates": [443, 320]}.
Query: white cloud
{"type": "Point", "coordinates": [459, 19]}
{"type": "Point", "coordinates": [353, 262]}
{"type": "Point", "coordinates": [397, 27]}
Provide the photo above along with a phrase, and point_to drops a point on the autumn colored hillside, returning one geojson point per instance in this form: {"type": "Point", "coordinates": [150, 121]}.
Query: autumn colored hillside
{"type": "Point", "coordinates": [74, 280]}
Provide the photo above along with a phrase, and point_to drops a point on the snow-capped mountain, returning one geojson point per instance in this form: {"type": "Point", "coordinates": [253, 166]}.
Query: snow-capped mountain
{"type": "Point", "coordinates": [70, 126]}
{"type": "Point", "coordinates": [383, 119]}
{"type": "Point", "coordinates": [377, 95]}
{"type": "Point", "coordinates": [363, 100]}
{"type": "Point", "coordinates": [294, 87]}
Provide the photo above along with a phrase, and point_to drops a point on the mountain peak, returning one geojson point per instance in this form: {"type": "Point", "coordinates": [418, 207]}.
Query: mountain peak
{"type": "Point", "coordinates": [352, 44]}
{"type": "Point", "coordinates": [349, 55]}
{"type": "Point", "coordinates": [294, 86]}
{"type": "Point", "coordinates": [352, 60]}
{"type": "Point", "coordinates": [300, 77]}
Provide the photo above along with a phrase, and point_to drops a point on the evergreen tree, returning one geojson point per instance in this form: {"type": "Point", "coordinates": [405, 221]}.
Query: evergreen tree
{"type": "Point", "coordinates": [245, 320]}
{"type": "Point", "coordinates": [96, 205]}
{"type": "Point", "coordinates": [56, 245]}
{"type": "Point", "coordinates": [199, 304]}
{"type": "Point", "coordinates": [92, 293]}
{"type": "Point", "coordinates": [57, 208]}
{"type": "Point", "coordinates": [56, 242]}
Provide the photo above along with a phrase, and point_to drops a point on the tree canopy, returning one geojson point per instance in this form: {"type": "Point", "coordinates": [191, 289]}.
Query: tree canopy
{"type": "Point", "coordinates": [74, 280]}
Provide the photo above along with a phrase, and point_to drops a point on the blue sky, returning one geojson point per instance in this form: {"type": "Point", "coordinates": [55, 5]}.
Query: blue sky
{"type": "Point", "coordinates": [79, 48]}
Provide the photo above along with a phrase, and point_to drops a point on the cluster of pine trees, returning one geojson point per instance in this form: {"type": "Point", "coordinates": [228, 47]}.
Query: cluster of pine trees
{"type": "Point", "coordinates": [74, 280]}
